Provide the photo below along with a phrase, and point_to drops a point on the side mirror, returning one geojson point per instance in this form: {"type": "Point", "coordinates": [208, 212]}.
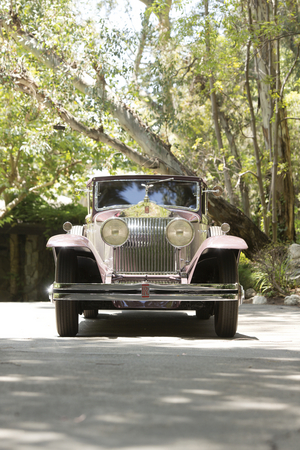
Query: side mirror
{"type": "Point", "coordinates": [216, 191]}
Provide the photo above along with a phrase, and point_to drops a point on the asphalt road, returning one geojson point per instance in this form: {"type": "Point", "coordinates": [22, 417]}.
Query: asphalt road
{"type": "Point", "coordinates": [149, 380]}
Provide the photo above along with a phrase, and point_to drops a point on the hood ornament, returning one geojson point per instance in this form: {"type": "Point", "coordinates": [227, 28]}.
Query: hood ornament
{"type": "Point", "coordinates": [147, 208]}
{"type": "Point", "coordinates": [147, 187]}
{"type": "Point", "coordinates": [146, 198]}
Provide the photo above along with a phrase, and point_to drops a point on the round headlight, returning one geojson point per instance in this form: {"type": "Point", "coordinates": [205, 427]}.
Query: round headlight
{"type": "Point", "coordinates": [180, 233]}
{"type": "Point", "coordinates": [225, 228]}
{"type": "Point", "coordinates": [114, 232]}
{"type": "Point", "coordinates": [67, 226]}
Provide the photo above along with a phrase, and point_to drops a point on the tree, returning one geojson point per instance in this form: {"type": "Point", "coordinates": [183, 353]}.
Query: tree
{"type": "Point", "coordinates": [265, 21]}
{"type": "Point", "coordinates": [263, 34]}
{"type": "Point", "coordinates": [36, 152]}
{"type": "Point", "coordinates": [72, 67]}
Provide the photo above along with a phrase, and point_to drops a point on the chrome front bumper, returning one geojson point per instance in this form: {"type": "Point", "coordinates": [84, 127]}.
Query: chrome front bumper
{"type": "Point", "coordinates": [146, 292]}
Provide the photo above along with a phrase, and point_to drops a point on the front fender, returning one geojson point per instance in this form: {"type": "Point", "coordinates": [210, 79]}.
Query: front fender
{"type": "Point", "coordinates": [68, 240]}
{"type": "Point", "coordinates": [75, 241]}
{"type": "Point", "coordinates": [218, 242]}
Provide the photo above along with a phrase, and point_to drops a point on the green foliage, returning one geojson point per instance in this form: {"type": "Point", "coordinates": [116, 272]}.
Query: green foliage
{"type": "Point", "coordinates": [268, 273]}
{"type": "Point", "coordinates": [35, 210]}
{"type": "Point", "coordinates": [246, 273]}
{"type": "Point", "coordinates": [271, 271]}
{"type": "Point", "coordinates": [161, 68]}
{"type": "Point", "coordinates": [35, 156]}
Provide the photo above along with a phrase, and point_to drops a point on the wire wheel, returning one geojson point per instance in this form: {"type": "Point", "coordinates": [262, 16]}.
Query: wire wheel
{"type": "Point", "coordinates": [66, 311]}
{"type": "Point", "coordinates": [226, 312]}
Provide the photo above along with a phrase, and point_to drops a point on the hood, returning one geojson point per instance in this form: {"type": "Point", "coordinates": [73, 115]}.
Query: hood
{"type": "Point", "coordinates": [146, 209]}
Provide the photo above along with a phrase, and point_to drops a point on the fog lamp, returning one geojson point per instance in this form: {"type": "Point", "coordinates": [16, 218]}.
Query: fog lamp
{"type": "Point", "coordinates": [114, 232]}
{"type": "Point", "coordinates": [180, 233]}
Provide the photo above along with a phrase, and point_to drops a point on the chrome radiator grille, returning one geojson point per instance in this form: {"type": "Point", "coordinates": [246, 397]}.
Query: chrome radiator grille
{"type": "Point", "coordinates": [147, 249]}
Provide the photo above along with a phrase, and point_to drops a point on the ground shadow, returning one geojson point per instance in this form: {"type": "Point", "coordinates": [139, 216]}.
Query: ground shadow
{"type": "Point", "coordinates": [134, 324]}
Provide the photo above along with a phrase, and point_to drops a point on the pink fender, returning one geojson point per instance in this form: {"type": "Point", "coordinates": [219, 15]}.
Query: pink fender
{"type": "Point", "coordinates": [68, 240]}
{"type": "Point", "coordinates": [72, 240]}
{"type": "Point", "coordinates": [221, 242]}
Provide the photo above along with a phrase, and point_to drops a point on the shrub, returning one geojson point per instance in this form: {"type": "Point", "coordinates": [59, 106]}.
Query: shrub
{"type": "Point", "coordinates": [246, 273]}
{"type": "Point", "coordinates": [271, 271]}
{"type": "Point", "coordinates": [33, 209]}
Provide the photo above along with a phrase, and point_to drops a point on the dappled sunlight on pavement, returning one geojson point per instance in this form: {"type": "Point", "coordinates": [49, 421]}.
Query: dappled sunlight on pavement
{"type": "Point", "coordinates": [146, 381]}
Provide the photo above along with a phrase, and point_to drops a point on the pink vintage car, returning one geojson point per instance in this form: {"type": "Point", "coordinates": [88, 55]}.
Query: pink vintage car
{"type": "Point", "coordinates": [147, 244]}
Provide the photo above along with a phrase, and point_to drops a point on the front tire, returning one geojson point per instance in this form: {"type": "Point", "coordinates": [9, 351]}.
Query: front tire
{"type": "Point", "coordinates": [226, 312]}
{"type": "Point", "coordinates": [90, 313]}
{"type": "Point", "coordinates": [66, 311]}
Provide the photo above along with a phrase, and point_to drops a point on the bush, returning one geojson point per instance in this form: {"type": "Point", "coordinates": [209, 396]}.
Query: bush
{"type": "Point", "coordinates": [271, 271]}
{"type": "Point", "coordinates": [246, 273]}
{"type": "Point", "coordinates": [33, 209]}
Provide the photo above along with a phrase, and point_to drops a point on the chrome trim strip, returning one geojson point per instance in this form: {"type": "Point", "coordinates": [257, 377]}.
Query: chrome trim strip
{"type": "Point", "coordinates": [133, 292]}
{"type": "Point", "coordinates": [135, 298]}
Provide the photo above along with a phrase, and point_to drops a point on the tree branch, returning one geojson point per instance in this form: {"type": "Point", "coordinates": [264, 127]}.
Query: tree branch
{"type": "Point", "coordinates": [161, 11]}
{"type": "Point", "coordinates": [11, 205]}
{"type": "Point", "coordinates": [142, 44]}
{"type": "Point", "coordinates": [28, 86]}
{"type": "Point", "coordinates": [151, 144]}
{"type": "Point", "coordinates": [289, 73]}
{"type": "Point", "coordinates": [242, 174]}
{"type": "Point", "coordinates": [290, 118]}
{"type": "Point", "coordinates": [25, 193]}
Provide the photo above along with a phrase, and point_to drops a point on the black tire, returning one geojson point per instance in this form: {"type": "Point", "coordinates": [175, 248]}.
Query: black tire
{"type": "Point", "coordinates": [226, 312]}
{"type": "Point", "coordinates": [66, 311]}
{"type": "Point", "coordinates": [90, 313]}
{"type": "Point", "coordinates": [202, 314]}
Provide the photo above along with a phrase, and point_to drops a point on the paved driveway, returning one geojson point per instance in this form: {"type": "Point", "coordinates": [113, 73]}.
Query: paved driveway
{"type": "Point", "coordinates": [149, 380]}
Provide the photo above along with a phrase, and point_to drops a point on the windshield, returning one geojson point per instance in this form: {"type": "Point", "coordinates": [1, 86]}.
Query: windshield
{"type": "Point", "coordinates": [130, 192]}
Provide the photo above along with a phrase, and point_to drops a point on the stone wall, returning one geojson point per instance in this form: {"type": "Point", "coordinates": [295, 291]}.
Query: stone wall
{"type": "Point", "coordinates": [4, 264]}
{"type": "Point", "coordinates": [26, 266]}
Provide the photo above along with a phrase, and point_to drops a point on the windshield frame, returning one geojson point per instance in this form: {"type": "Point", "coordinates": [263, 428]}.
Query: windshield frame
{"type": "Point", "coordinates": [147, 180]}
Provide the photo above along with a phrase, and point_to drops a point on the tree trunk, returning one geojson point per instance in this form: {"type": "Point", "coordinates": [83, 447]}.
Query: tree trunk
{"type": "Point", "coordinates": [255, 143]}
{"type": "Point", "coordinates": [282, 183]}
{"type": "Point", "coordinates": [214, 110]}
{"type": "Point", "coordinates": [244, 190]}
{"type": "Point", "coordinates": [275, 146]}
{"type": "Point", "coordinates": [240, 225]}
{"type": "Point", "coordinates": [285, 185]}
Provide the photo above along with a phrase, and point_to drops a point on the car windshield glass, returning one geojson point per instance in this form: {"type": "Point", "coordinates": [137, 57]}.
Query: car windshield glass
{"type": "Point", "coordinates": [130, 192]}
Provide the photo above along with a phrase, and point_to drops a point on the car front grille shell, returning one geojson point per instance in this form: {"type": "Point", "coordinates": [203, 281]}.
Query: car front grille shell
{"type": "Point", "coordinates": [147, 249]}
